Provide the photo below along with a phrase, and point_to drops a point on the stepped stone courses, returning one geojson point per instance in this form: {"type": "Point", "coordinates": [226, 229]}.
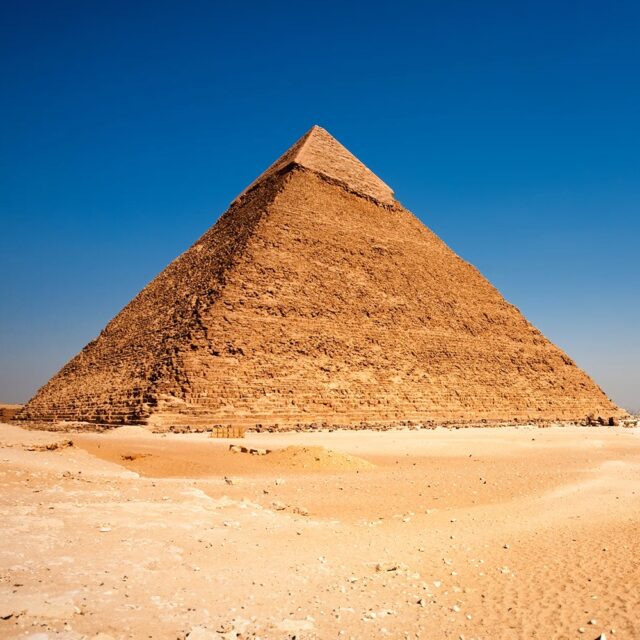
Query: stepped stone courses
{"type": "Point", "coordinates": [317, 298]}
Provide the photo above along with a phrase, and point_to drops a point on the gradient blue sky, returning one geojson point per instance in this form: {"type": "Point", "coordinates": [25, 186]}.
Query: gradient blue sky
{"type": "Point", "coordinates": [512, 129]}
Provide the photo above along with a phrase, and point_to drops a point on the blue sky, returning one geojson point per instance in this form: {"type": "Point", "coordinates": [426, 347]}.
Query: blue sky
{"type": "Point", "coordinates": [511, 129]}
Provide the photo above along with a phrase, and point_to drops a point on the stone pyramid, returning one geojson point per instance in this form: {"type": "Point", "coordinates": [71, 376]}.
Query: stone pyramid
{"type": "Point", "coordinates": [318, 299]}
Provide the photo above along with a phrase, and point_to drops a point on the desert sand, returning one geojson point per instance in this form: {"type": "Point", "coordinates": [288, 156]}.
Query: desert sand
{"type": "Point", "coordinates": [471, 533]}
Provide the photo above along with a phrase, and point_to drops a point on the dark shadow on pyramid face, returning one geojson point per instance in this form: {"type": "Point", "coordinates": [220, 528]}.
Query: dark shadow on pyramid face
{"type": "Point", "coordinates": [318, 299]}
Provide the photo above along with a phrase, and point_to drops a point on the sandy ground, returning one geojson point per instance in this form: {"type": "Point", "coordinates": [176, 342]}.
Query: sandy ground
{"type": "Point", "coordinates": [471, 533]}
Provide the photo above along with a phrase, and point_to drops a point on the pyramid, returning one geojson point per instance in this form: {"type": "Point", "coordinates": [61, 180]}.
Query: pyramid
{"type": "Point", "coordinates": [318, 299]}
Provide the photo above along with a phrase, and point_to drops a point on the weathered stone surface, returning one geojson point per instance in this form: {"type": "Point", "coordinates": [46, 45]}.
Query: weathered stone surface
{"type": "Point", "coordinates": [317, 301]}
{"type": "Point", "coordinates": [7, 411]}
{"type": "Point", "coordinates": [319, 151]}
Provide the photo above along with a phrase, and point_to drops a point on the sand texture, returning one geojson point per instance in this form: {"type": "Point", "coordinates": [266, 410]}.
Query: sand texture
{"type": "Point", "coordinates": [312, 301]}
{"type": "Point", "coordinates": [472, 533]}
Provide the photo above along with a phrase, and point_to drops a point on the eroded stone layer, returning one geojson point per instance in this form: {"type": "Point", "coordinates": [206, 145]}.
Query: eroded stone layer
{"type": "Point", "coordinates": [309, 303]}
{"type": "Point", "coordinates": [320, 152]}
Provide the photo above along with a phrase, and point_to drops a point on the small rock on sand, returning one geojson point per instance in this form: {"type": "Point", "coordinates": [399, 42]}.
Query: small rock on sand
{"type": "Point", "coordinates": [296, 625]}
{"type": "Point", "coordinates": [202, 633]}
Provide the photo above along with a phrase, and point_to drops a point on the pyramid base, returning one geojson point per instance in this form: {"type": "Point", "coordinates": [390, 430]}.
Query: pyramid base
{"type": "Point", "coordinates": [180, 423]}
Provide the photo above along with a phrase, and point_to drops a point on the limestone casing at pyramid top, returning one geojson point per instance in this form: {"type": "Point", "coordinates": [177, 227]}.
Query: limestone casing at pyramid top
{"type": "Point", "coordinates": [319, 151]}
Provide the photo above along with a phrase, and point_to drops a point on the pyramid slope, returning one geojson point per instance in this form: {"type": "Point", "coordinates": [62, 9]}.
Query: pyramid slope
{"type": "Point", "coordinates": [119, 377]}
{"type": "Point", "coordinates": [309, 302]}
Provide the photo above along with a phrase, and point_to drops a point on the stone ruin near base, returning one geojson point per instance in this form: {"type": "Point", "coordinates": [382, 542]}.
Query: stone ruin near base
{"type": "Point", "coordinates": [317, 298]}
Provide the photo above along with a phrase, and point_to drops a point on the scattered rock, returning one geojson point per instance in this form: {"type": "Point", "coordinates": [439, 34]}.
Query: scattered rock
{"type": "Point", "coordinates": [296, 625]}
{"type": "Point", "coordinates": [6, 612]}
{"type": "Point", "coordinates": [238, 448]}
{"type": "Point", "coordinates": [202, 633]}
{"type": "Point", "coordinates": [259, 452]}
{"type": "Point", "coordinates": [49, 446]}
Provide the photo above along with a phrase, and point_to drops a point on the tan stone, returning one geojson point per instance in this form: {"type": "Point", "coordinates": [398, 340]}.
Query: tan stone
{"type": "Point", "coordinates": [318, 301]}
{"type": "Point", "coordinates": [320, 152]}
{"type": "Point", "coordinates": [7, 411]}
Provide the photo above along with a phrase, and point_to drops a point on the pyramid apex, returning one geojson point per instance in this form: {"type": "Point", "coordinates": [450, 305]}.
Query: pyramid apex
{"type": "Point", "coordinates": [318, 151]}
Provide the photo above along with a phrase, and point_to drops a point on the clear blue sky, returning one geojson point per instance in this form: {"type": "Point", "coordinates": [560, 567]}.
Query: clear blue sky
{"type": "Point", "coordinates": [512, 129]}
